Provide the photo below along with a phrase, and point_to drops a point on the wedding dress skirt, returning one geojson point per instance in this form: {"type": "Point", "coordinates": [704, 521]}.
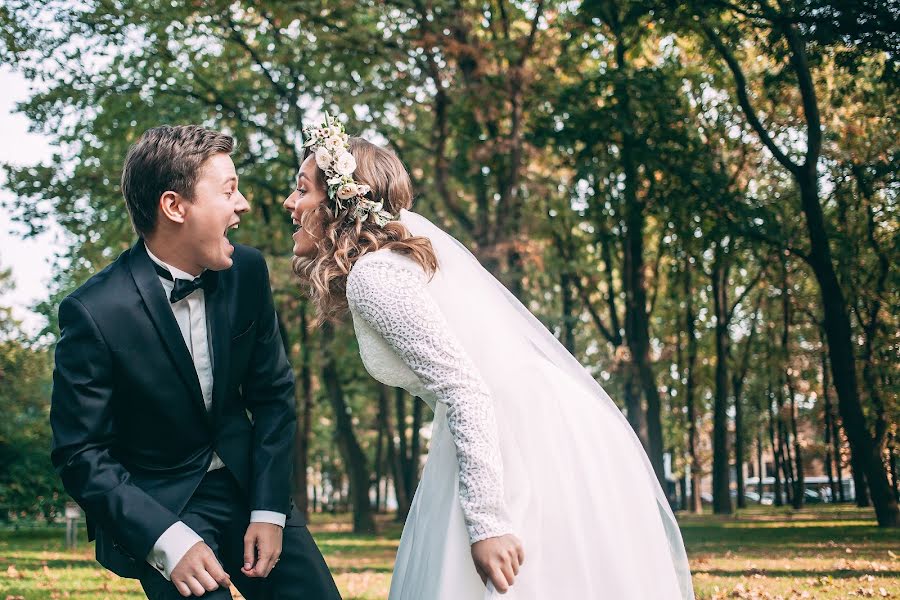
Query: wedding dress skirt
{"type": "Point", "coordinates": [578, 488]}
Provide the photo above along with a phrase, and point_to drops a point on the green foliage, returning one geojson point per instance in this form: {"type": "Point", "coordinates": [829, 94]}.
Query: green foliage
{"type": "Point", "coordinates": [28, 484]}
{"type": "Point", "coordinates": [513, 119]}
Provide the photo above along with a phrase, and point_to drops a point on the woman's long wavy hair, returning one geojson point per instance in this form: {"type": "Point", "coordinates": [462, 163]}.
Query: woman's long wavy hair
{"type": "Point", "coordinates": [346, 238]}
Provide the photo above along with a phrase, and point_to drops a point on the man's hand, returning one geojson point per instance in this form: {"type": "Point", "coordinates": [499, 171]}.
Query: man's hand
{"type": "Point", "coordinates": [199, 572]}
{"type": "Point", "coordinates": [262, 547]}
{"type": "Point", "coordinates": [498, 559]}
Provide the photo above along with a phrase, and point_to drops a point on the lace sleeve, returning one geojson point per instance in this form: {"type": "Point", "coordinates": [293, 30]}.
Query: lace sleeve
{"type": "Point", "coordinates": [393, 300]}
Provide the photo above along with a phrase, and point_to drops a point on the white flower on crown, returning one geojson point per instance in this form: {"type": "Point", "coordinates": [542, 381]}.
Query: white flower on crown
{"type": "Point", "coordinates": [334, 143]}
{"type": "Point", "coordinates": [324, 158]}
{"type": "Point", "coordinates": [344, 163]}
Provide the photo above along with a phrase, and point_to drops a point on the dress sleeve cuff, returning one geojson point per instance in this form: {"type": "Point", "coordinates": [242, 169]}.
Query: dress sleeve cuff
{"type": "Point", "coordinates": [489, 529]}
{"type": "Point", "coordinates": [268, 516]}
{"type": "Point", "coordinates": [171, 547]}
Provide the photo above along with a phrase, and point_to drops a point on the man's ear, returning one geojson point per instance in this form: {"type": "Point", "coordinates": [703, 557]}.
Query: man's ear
{"type": "Point", "coordinates": [172, 206]}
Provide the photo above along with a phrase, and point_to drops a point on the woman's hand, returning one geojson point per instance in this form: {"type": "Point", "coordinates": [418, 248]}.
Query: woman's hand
{"type": "Point", "coordinates": [498, 559]}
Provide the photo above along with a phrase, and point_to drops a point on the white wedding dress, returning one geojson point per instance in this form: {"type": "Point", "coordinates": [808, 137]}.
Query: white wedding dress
{"type": "Point", "coordinates": [524, 441]}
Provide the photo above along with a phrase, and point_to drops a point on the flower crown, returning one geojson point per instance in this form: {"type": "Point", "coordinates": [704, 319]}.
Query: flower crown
{"type": "Point", "coordinates": [332, 151]}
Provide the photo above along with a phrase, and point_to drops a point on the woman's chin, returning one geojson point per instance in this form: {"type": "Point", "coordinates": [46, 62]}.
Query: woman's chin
{"type": "Point", "coordinates": [304, 250]}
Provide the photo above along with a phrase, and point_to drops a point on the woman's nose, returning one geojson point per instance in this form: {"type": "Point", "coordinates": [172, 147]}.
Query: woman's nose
{"type": "Point", "coordinates": [289, 203]}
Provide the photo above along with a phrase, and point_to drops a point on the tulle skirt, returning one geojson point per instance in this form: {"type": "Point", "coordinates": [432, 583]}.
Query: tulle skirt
{"type": "Point", "coordinates": [577, 491]}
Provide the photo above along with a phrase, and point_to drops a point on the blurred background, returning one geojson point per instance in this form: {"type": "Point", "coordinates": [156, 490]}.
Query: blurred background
{"type": "Point", "coordinates": [699, 199]}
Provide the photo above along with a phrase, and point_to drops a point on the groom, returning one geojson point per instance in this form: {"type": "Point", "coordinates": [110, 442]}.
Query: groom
{"type": "Point", "coordinates": [172, 409]}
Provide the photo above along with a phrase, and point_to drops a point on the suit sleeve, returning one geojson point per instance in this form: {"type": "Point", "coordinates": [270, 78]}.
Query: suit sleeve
{"type": "Point", "coordinates": [82, 423]}
{"type": "Point", "coordinates": [269, 393]}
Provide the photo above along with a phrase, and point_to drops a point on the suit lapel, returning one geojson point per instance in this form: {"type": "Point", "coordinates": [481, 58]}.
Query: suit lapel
{"type": "Point", "coordinates": [217, 324]}
{"type": "Point", "coordinates": [163, 318]}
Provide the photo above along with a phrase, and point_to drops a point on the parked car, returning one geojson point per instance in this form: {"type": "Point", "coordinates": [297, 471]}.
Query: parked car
{"type": "Point", "coordinates": [812, 497]}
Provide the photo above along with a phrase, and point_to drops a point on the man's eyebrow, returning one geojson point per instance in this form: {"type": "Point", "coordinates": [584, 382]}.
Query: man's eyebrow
{"type": "Point", "coordinates": [230, 179]}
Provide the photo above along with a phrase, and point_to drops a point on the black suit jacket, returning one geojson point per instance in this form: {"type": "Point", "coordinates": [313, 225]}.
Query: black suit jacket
{"type": "Point", "coordinates": [131, 436]}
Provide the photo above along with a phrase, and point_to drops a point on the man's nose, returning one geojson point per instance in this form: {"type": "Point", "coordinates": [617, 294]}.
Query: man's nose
{"type": "Point", "coordinates": [243, 205]}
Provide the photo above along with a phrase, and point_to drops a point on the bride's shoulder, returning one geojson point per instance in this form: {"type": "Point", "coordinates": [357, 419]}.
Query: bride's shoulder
{"type": "Point", "coordinates": [385, 260]}
{"type": "Point", "coordinates": [384, 268]}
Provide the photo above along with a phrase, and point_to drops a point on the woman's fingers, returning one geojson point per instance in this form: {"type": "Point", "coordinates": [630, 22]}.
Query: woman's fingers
{"type": "Point", "coordinates": [481, 573]}
{"type": "Point", "coordinates": [499, 579]}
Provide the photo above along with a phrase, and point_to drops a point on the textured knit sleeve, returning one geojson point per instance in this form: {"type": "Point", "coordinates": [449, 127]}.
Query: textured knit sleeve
{"type": "Point", "coordinates": [390, 295]}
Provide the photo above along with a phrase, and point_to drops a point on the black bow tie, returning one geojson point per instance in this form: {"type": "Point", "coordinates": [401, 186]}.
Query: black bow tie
{"type": "Point", "coordinates": [207, 281]}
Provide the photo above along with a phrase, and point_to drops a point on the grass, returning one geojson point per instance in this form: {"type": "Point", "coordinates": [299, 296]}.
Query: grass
{"type": "Point", "coordinates": [822, 552]}
{"type": "Point", "coordinates": [819, 553]}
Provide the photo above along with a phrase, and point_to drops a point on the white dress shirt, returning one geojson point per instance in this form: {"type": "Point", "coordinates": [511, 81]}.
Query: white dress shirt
{"type": "Point", "coordinates": [190, 313]}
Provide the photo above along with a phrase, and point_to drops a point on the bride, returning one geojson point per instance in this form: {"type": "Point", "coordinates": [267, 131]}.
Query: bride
{"type": "Point", "coordinates": [535, 485]}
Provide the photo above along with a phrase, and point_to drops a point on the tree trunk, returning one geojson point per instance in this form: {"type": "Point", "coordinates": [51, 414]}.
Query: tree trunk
{"type": "Point", "coordinates": [892, 461]}
{"type": "Point", "coordinates": [383, 410]}
{"type": "Point", "coordinates": [637, 322]}
{"type": "Point", "coordinates": [634, 412]}
{"type": "Point", "coordinates": [859, 482]}
{"type": "Point", "coordinates": [739, 451]}
{"type": "Point", "coordinates": [568, 312]}
{"type": "Point", "coordinates": [829, 428]}
{"type": "Point", "coordinates": [349, 447]}
{"type": "Point", "coordinates": [784, 449]}
{"type": "Point", "coordinates": [401, 484]}
{"type": "Point", "coordinates": [737, 383]}
{"type": "Point", "coordinates": [838, 458]}
{"type": "Point", "coordinates": [721, 480]}
{"type": "Point", "coordinates": [834, 419]}
{"type": "Point", "coordinates": [761, 471]}
{"type": "Point", "coordinates": [690, 393]}
{"type": "Point", "coordinates": [787, 462]}
{"type": "Point", "coordinates": [304, 433]}
{"type": "Point", "coordinates": [415, 447]}
{"type": "Point", "coordinates": [843, 366]}
{"type": "Point", "coordinates": [798, 485]}
{"type": "Point", "coordinates": [776, 456]}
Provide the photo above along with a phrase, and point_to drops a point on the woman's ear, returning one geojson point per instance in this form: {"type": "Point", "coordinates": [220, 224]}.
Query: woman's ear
{"type": "Point", "coordinates": [172, 206]}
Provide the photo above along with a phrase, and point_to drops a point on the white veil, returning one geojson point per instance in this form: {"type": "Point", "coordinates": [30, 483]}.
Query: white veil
{"type": "Point", "coordinates": [566, 446]}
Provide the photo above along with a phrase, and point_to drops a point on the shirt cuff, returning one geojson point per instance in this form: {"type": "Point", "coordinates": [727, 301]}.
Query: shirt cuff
{"type": "Point", "coordinates": [268, 516]}
{"type": "Point", "coordinates": [171, 547]}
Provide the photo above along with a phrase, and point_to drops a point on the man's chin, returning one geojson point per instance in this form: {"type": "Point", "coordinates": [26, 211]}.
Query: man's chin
{"type": "Point", "coordinates": [222, 264]}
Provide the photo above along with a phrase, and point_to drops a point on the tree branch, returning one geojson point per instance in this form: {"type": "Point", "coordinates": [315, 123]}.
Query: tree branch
{"type": "Point", "coordinates": [744, 100]}
{"type": "Point", "coordinates": [800, 64]}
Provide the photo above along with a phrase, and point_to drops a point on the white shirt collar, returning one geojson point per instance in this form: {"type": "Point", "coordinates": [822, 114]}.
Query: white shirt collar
{"type": "Point", "coordinates": [175, 271]}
